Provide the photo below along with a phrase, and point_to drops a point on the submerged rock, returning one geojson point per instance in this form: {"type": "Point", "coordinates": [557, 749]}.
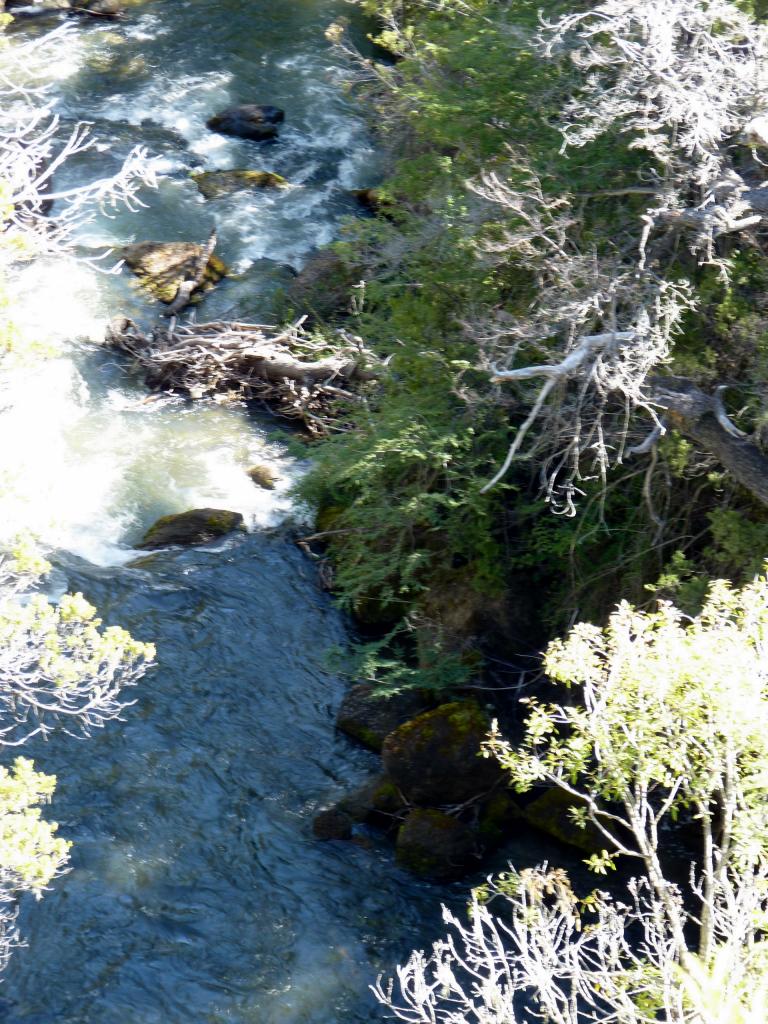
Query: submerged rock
{"type": "Point", "coordinates": [248, 121]}
{"type": "Point", "coordinates": [162, 266]}
{"type": "Point", "coordinates": [435, 758]}
{"type": "Point", "coordinates": [434, 845]}
{"type": "Point", "coordinates": [198, 526]}
{"type": "Point", "coordinates": [369, 719]}
{"type": "Point", "coordinates": [213, 184]}
{"type": "Point", "coordinates": [263, 476]}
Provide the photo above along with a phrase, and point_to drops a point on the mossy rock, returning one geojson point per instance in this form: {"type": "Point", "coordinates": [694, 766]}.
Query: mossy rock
{"type": "Point", "coordinates": [368, 718]}
{"type": "Point", "coordinates": [434, 845]}
{"type": "Point", "coordinates": [214, 184]}
{"type": "Point", "coordinates": [551, 813]}
{"type": "Point", "coordinates": [377, 802]}
{"type": "Point", "coordinates": [435, 758]}
{"type": "Point", "coordinates": [198, 526]}
{"type": "Point", "coordinates": [263, 476]}
{"type": "Point", "coordinates": [497, 817]}
{"type": "Point", "coordinates": [162, 266]}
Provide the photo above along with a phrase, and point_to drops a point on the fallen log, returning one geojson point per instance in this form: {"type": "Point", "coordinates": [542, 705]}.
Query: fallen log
{"type": "Point", "coordinates": [289, 370]}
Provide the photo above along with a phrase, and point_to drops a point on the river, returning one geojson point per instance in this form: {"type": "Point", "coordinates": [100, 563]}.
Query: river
{"type": "Point", "coordinates": [197, 894]}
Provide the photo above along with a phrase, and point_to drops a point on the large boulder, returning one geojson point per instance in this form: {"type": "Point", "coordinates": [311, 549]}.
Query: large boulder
{"type": "Point", "coordinates": [214, 184]}
{"type": "Point", "coordinates": [434, 845]}
{"type": "Point", "coordinates": [161, 267]}
{"type": "Point", "coordinates": [435, 758]}
{"type": "Point", "coordinates": [248, 121]}
{"type": "Point", "coordinates": [198, 526]}
{"type": "Point", "coordinates": [368, 718]}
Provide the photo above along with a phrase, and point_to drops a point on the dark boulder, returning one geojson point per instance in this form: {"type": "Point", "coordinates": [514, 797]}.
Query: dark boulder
{"type": "Point", "coordinates": [368, 718]}
{"type": "Point", "coordinates": [332, 824]}
{"type": "Point", "coordinates": [249, 121]}
{"type": "Point", "coordinates": [377, 802]}
{"type": "Point", "coordinates": [198, 526]}
{"type": "Point", "coordinates": [436, 759]}
{"type": "Point", "coordinates": [434, 845]}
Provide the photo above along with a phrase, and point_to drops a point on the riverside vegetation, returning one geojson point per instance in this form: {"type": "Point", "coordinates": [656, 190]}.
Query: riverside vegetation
{"type": "Point", "coordinates": [562, 289]}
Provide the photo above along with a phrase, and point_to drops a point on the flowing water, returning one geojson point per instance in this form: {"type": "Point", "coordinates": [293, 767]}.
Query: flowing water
{"type": "Point", "coordinates": [197, 893]}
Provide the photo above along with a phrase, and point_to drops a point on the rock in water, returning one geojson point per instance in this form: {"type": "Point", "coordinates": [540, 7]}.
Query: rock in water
{"type": "Point", "coordinates": [162, 266]}
{"type": "Point", "coordinates": [435, 758]}
{"type": "Point", "coordinates": [103, 8]}
{"type": "Point", "coordinates": [332, 824]}
{"type": "Point", "coordinates": [213, 184]}
{"type": "Point", "coordinates": [198, 526]}
{"type": "Point", "coordinates": [263, 476]}
{"type": "Point", "coordinates": [434, 845]}
{"type": "Point", "coordinates": [249, 121]}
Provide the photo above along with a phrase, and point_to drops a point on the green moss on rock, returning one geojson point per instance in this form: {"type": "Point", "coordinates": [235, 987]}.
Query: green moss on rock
{"type": "Point", "coordinates": [436, 757]}
{"type": "Point", "coordinates": [434, 845]}
{"type": "Point", "coordinates": [162, 266]}
{"type": "Point", "coordinates": [369, 718]}
{"type": "Point", "coordinates": [198, 526]}
{"type": "Point", "coordinates": [214, 184]}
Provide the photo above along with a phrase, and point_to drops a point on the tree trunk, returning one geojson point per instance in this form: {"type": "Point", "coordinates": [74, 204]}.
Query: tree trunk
{"type": "Point", "coordinates": [694, 413]}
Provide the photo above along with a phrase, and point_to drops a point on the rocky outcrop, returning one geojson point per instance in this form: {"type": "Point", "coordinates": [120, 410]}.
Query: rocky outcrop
{"type": "Point", "coordinates": [198, 526]}
{"type": "Point", "coordinates": [214, 184]}
{"type": "Point", "coordinates": [162, 267]}
{"type": "Point", "coordinates": [434, 845]}
{"type": "Point", "coordinates": [369, 719]}
{"type": "Point", "coordinates": [248, 121]}
{"type": "Point", "coordinates": [435, 758]}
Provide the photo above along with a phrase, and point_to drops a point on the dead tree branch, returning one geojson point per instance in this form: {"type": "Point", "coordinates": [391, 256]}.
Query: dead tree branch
{"type": "Point", "coordinates": [284, 367]}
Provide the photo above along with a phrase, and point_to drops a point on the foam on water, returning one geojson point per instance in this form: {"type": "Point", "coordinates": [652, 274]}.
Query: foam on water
{"type": "Point", "coordinates": [87, 462]}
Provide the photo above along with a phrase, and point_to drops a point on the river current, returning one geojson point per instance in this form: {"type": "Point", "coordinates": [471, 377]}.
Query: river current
{"type": "Point", "coordinates": [197, 894]}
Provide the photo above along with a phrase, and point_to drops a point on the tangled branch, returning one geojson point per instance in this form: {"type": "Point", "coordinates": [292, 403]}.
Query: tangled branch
{"type": "Point", "coordinates": [284, 367]}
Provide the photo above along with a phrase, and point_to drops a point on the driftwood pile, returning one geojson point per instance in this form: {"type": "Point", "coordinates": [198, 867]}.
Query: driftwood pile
{"type": "Point", "coordinates": [284, 367]}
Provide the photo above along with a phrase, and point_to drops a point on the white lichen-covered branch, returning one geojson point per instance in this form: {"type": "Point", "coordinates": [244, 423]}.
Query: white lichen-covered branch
{"type": "Point", "coordinates": [684, 83]}
{"type": "Point", "coordinates": [37, 217]}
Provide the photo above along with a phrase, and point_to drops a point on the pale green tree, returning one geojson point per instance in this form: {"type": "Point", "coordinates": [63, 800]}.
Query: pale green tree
{"type": "Point", "coordinates": [59, 668]}
{"type": "Point", "coordinates": [658, 717]}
